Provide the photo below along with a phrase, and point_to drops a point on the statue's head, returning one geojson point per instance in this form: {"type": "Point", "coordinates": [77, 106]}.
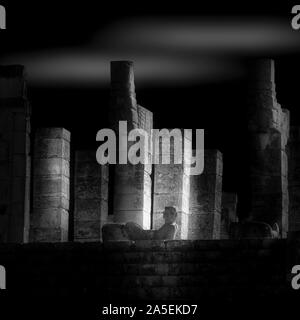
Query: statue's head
{"type": "Point", "coordinates": [170, 215]}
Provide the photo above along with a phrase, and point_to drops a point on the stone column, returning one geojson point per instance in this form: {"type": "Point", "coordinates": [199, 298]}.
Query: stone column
{"type": "Point", "coordinates": [91, 196]}
{"type": "Point", "coordinates": [172, 188]}
{"type": "Point", "coordinates": [15, 114]}
{"type": "Point", "coordinates": [294, 179]}
{"type": "Point", "coordinates": [228, 214]}
{"type": "Point", "coordinates": [205, 198]}
{"type": "Point", "coordinates": [50, 217]}
{"type": "Point", "coordinates": [269, 132]}
{"type": "Point", "coordinates": [132, 191]}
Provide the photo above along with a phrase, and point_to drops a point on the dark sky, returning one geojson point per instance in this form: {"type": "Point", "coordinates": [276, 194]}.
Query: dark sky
{"type": "Point", "coordinates": [189, 60]}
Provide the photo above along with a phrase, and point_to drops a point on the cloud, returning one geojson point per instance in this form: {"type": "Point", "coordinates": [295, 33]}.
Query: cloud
{"type": "Point", "coordinates": [177, 51]}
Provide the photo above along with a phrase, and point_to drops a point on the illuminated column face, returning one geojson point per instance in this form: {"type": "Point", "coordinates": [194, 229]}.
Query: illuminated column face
{"type": "Point", "coordinates": [205, 198]}
{"type": "Point", "coordinates": [50, 218]}
{"type": "Point", "coordinates": [132, 192]}
{"type": "Point", "coordinates": [132, 183]}
{"type": "Point", "coordinates": [171, 188]}
{"type": "Point", "coordinates": [268, 135]}
{"type": "Point", "coordinates": [91, 197]}
{"type": "Point", "coordinates": [14, 155]}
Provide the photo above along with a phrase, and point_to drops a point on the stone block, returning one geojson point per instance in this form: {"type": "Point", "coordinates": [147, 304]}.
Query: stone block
{"type": "Point", "coordinates": [88, 230]}
{"type": "Point", "coordinates": [50, 218]}
{"type": "Point", "coordinates": [55, 185]}
{"type": "Point", "coordinates": [177, 200]}
{"type": "Point", "coordinates": [91, 196]}
{"type": "Point", "coordinates": [204, 226]}
{"type": "Point", "coordinates": [51, 166]}
{"type": "Point", "coordinates": [51, 202]}
{"type": "Point", "coordinates": [52, 148]}
{"type": "Point", "coordinates": [132, 181]}
{"type": "Point", "coordinates": [42, 234]}
{"type": "Point", "coordinates": [88, 209]}
{"type": "Point", "coordinates": [53, 133]}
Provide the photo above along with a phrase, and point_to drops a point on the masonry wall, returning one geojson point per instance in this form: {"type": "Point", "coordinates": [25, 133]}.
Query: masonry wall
{"type": "Point", "coordinates": [150, 270]}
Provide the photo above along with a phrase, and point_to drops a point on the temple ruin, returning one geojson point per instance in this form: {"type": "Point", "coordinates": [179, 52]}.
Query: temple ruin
{"type": "Point", "coordinates": [140, 192]}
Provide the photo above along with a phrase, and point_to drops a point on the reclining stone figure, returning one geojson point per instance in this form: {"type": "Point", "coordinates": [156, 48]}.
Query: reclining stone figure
{"type": "Point", "coordinates": [133, 231]}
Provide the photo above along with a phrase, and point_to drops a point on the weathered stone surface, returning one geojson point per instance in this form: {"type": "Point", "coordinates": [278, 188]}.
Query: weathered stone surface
{"type": "Point", "coordinates": [87, 231]}
{"type": "Point", "coordinates": [294, 179]}
{"type": "Point", "coordinates": [171, 188]}
{"type": "Point", "coordinates": [91, 196]}
{"type": "Point", "coordinates": [56, 185]}
{"type": "Point", "coordinates": [51, 187]}
{"type": "Point", "coordinates": [177, 200]}
{"type": "Point", "coordinates": [116, 232]}
{"type": "Point", "coordinates": [123, 99]}
{"type": "Point", "coordinates": [137, 216]}
{"type": "Point", "coordinates": [253, 230]}
{"type": "Point", "coordinates": [15, 114]}
{"type": "Point", "coordinates": [42, 234]}
{"type": "Point", "coordinates": [54, 133]}
{"type": "Point", "coordinates": [269, 133]}
{"type": "Point", "coordinates": [45, 201]}
{"type": "Point", "coordinates": [52, 166]}
{"type": "Point", "coordinates": [205, 198]}
{"type": "Point", "coordinates": [55, 147]}
{"type": "Point", "coordinates": [51, 218]}
{"type": "Point", "coordinates": [228, 213]}
{"type": "Point", "coordinates": [132, 190]}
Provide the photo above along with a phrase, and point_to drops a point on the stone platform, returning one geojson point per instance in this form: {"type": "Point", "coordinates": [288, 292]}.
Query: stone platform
{"type": "Point", "coordinates": [151, 270]}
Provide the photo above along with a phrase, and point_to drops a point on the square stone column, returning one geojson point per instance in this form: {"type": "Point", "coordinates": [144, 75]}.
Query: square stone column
{"type": "Point", "coordinates": [172, 188]}
{"type": "Point", "coordinates": [51, 184]}
{"type": "Point", "coordinates": [228, 214]}
{"type": "Point", "coordinates": [205, 198]}
{"type": "Point", "coordinates": [15, 160]}
{"type": "Point", "coordinates": [91, 196]}
{"type": "Point", "coordinates": [132, 189]}
{"type": "Point", "coordinates": [132, 195]}
{"type": "Point", "coordinates": [268, 135]}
